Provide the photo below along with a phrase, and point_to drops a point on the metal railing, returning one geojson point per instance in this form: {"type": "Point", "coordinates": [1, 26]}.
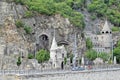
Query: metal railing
{"type": "Point", "coordinates": [99, 68]}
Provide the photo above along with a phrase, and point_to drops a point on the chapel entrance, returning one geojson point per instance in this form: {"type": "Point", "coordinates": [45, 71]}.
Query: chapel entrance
{"type": "Point", "coordinates": [62, 65]}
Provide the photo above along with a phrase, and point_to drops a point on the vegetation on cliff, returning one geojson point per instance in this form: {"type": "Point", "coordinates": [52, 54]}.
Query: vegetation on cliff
{"type": "Point", "coordinates": [116, 52]}
{"type": "Point", "coordinates": [51, 7]}
{"type": "Point", "coordinates": [109, 9]}
{"type": "Point", "coordinates": [106, 8]}
{"type": "Point", "coordinates": [42, 56]}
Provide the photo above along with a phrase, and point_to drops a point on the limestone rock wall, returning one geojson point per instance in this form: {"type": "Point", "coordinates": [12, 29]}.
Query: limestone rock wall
{"type": "Point", "coordinates": [14, 41]}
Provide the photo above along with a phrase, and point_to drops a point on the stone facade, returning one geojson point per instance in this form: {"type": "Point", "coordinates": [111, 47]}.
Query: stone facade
{"type": "Point", "coordinates": [57, 54]}
{"type": "Point", "coordinates": [103, 41]}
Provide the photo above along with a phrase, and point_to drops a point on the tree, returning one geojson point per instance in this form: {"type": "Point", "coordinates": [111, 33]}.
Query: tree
{"type": "Point", "coordinates": [116, 52]}
{"type": "Point", "coordinates": [42, 56]}
{"type": "Point", "coordinates": [106, 1]}
{"type": "Point", "coordinates": [65, 60]}
{"type": "Point", "coordinates": [71, 58]}
{"type": "Point", "coordinates": [18, 61]}
{"type": "Point", "coordinates": [89, 43]}
{"type": "Point", "coordinates": [104, 56]}
{"type": "Point", "coordinates": [91, 54]}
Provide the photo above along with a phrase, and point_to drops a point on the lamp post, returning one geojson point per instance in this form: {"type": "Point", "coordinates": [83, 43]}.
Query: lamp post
{"type": "Point", "coordinates": [74, 52]}
{"type": "Point", "coordinates": [112, 49]}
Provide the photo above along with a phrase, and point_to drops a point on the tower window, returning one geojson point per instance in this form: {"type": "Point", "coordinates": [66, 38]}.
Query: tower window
{"type": "Point", "coordinates": [62, 55]}
{"type": "Point", "coordinates": [106, 31]}
{"type": "Point", "coordinates": [103, 32]}
{"type": "Point", "coordinates": [33, 24]}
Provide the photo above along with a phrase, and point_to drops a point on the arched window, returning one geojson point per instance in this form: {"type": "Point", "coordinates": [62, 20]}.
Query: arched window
{"type": "Point", "coordinates": [33, 24]}
{"type": "Point", "coordinates": [107, 32]}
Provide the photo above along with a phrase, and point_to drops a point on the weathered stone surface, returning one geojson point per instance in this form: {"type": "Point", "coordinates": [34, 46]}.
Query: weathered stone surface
{"type": "Point", "coordinates": [15, 41]}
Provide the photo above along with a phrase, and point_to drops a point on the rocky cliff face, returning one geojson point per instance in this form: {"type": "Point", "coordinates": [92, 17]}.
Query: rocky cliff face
{"type": "Point", "coordinates": [14, 41]}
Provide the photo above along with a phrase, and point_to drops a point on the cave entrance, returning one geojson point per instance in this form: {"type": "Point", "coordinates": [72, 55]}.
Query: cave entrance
{"type": "Point", "coordinates": [43, 42]}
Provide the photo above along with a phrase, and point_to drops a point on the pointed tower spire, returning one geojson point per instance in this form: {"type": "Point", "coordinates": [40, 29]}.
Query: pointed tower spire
{"type": "Point", "coordinates": [54, 43]}
{"type": "Point", "coordinates": [106, 27]}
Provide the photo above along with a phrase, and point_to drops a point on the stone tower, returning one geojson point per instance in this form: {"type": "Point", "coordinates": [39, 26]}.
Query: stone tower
{"type": "Point", "coordinates": [57, 54]}
{"type": "Point", "coordinates": [106, 36]}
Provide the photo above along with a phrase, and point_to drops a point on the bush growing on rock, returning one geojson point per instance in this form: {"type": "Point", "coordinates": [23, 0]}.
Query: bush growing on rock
{"type": "Point", "coordinates": [30, 56]}
{"type": "Point", "coordinates": [62, 7]}
{"type": "Point", "coordinates": [18, 61]}
{"type": "Point", "coordinates": [28, 14]}
{"type": "Point", "coordinates": [27, 29]}
{"type": "Point", "coordinates": [19, 23]}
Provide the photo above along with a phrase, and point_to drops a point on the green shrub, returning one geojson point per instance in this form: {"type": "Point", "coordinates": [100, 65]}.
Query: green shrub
{"type": "Point", "coordinates": [27, 29]}
{"type": "Point", "coordinates": [19, 2]}
{"type": "Point", "coordinates": [19, 23]}
{"type": "Point", "coordinates": [42, 56]}
{"type": "Point", "coordinates": [30, 56]}
{"type": "Point", "coordinates": [28, 14]}
{"type": "Point", "coordinates": [104, 56]}
{"type": "Point", "coordinates": [115, 29]}
{"type": "Point", "coordinates": [18, 61]}
{"type": "Point", "coordinates": [89, 44]}
{"type": "Point", "coordinates": [91, 54]}
{"type": "Point", "coordinates": [65, 60]}
{"type": "Point", "coordinates": [93, 17]}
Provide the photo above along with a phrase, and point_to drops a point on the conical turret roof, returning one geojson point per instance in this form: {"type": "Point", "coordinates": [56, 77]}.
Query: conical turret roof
{"type": "Point", "coordinates": [54, 44]}
{"type": "Point", "coordinates": [106, 26]}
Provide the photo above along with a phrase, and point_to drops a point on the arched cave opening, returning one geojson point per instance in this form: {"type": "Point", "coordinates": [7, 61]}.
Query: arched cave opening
{"type": "Point", "coordinates": [43, 42]}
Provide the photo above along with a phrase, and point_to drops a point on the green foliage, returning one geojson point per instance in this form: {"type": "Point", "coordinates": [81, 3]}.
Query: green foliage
{"type": "Point", "coordinates": [91, 54]}
{"type": "Point", "coordinates": [118, 43]}
{"type": "Point", "coordinates": [28, 14]}
{"type": "Point", "coordinates": [27, 29]}
{"type": "Point", "coordinates": [115, 29]}
{"type": "Point", "coordinates": [93, 17]}
{"type": "Point", "coordinates": [116, 52]}
{"type": "Point", "coordinates": [106, 8]}
{"type": "Point", "coordinates": [19, 2]}
{"type": "Point", "coordinates": [18, 61]}
{"type": "Point", "coordinates": [63, 7]}
{"type": "Point", "coordinates": [19, 23]}
{"type": "Point", "coordinates": [65, 60]}
{"type": "Point", "coordinates": [89, 43]}
{"type": "Point", "coordinates": [42, 56]}
{"type": "Point", "coordinates": [30, 56]}
{"type": "Point", "coordinates": [71, 58]}
{"type": "Point", "coordinates": [104, 56]}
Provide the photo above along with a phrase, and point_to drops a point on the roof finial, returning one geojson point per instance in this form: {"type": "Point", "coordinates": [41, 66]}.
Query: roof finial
{"type": "Point", "coordinates": [54, 33]}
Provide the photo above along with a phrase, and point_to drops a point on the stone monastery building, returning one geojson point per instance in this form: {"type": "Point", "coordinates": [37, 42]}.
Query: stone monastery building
{"type": "Point", "coordinates": [103, 41]}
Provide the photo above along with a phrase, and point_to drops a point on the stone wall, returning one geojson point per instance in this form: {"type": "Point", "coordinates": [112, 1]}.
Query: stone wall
{"type": "Point", "coordinates": [14, 41]}
{"type": "Point", "coordinates": [40, 24]}
{"type": "Point", "coordinates": [105, 75]}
